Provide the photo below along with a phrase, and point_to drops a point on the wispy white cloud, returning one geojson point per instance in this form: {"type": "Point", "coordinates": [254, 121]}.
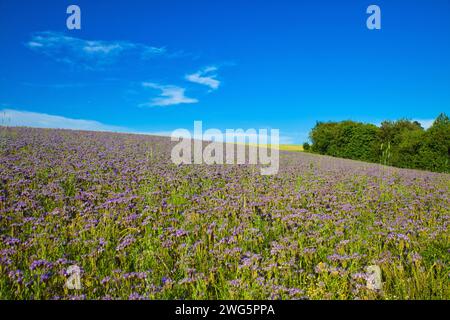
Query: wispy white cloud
{"type": "Point", "coordinates": [87, 53]}
{"type": "Point", "coordinates": [169, 95]}
{"type": "Point", "coordinates": [10, 117]}
{"type": "Point", "coordinates": [206, 76]}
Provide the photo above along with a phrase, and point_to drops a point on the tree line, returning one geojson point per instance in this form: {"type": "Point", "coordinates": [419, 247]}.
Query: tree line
{"type": "Point", "coordinates": [402, 143]}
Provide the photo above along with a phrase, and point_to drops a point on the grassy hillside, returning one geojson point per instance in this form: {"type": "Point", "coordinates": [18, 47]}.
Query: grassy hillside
{"type": "Point", "coordinates": [140, 227]}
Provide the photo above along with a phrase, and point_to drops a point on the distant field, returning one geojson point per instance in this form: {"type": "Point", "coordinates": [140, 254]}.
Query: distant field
{"type": "Point", "coordinates": [291, 147]}
{"type": "Point", "coordinates": [140, 227]}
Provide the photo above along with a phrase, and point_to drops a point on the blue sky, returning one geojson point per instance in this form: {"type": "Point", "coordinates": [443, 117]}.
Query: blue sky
{"type": "Point", "coordinates": [154, 66]}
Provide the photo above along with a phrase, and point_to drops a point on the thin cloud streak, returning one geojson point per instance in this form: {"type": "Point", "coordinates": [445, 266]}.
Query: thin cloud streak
{"type": "Point", "coordinates": [16, 118]}
{"type": "Point", "coordinates": [206, 77]}
{"type": "Point", "coordinates": [169, 95]}
{"type": "Point", "coordinates": [90, 54]}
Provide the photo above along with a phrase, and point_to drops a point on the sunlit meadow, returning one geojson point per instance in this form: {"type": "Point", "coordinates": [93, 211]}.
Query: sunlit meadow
{"type": "Point", "coordinates": [140, 227]}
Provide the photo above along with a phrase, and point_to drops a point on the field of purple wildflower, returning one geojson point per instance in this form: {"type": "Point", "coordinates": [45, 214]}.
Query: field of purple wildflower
{"type": "Point", "coordinates": [140, 227]}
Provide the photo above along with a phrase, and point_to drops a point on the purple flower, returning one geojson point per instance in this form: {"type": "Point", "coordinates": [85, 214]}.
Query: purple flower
{"type": "Point", "coordinates": [126, 242]}
{"type": "Point", "coordinates": [105, 280]}
{"type": "Point", "coordinates": [136, 296]}
{"type": "Point", "coordinates": [16, 276]}
{"type": "Point", "coordinates": [45, 277]}
{"type": "Point", "coordinates": [41, 264]}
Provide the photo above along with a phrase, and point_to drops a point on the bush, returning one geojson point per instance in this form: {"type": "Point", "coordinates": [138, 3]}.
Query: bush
{"type": "Point", "coordinates": [347, 139]}
{"type": "Point", "coordinates": [410, 146]}
{"type": "Point", "coordinates": [306, 146]}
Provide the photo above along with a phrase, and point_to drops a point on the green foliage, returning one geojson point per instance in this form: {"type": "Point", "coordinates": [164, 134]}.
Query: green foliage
{"type": "Point", "coordinates": [385, 149]}
{"type": "Point", "coordinates": [322, 135]}
{"type": "Point", "coordinates": [437, 145]}
{"type": "Point", "coordinates": [306, 146]}
{"type": "Point", "coordinates": [401, 143]}
{"type": "Point", "coordinates": [346, 139]}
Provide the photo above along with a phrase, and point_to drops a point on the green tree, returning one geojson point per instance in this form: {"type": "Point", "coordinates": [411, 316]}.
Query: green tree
{"type": "Point", "coordinates": [321, 136]}
{"type": "Point", "coordinates": [306, 146]}
{"type": "Point", "coordinates": [346, 139]}
{"type": "Point", "coordinates": [435, 152]}
{"type": "Point", "coordinates": [401, 143]}
{"type": "Point", "coordinates": [402, 135]}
